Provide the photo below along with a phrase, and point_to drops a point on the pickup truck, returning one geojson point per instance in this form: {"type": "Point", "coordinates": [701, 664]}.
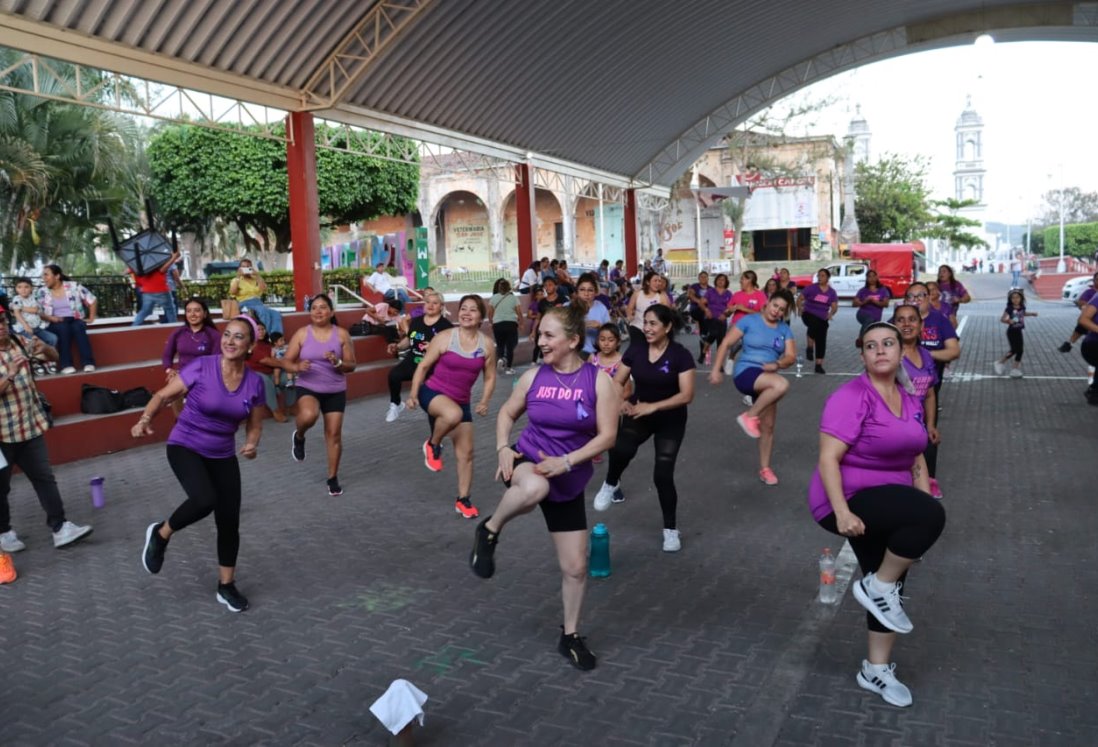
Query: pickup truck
{"type": "Point", "coordinates": [847, 278]}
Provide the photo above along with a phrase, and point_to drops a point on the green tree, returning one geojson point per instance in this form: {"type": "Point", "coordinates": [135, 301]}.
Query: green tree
{"type": "Point", "coordinates": [892, 201]}
{"type": "Point", "coordinates": [1080, 240]}
{"type": "Point", "coordinates": [947, 225]}
{"type": "Point", "coordinates": [62, 167]}
{"type": "Point", "coordinates": [202, 176]}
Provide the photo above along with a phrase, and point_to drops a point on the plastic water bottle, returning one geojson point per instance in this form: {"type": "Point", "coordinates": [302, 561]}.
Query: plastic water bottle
{"type": "Point", "coordinates": [800, 365]}
{"type": "Point", "coordinates": [709, 356]}
{"type": "Point", "coordinates": [599, 564]}
{"type": "Point", "coordinates": [827, 578]}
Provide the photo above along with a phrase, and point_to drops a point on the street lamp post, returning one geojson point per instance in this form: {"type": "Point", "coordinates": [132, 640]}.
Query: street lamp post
{"type": "Point", "coordinates": [1061, 266]}
{"type": "Point", "coordinates": [695, 185]}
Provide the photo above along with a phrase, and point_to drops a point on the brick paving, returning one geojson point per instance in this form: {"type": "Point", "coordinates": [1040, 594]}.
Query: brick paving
{"type": "Point", "coordinates": [720, 644]}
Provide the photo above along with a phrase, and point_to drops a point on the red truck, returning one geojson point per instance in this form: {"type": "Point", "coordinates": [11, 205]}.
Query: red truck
{"type": "Point", "coordinates": [893, 263]}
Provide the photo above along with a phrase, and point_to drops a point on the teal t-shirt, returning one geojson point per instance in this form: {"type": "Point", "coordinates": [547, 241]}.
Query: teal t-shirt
{"type": "Point", "coordinates": [761, 343]}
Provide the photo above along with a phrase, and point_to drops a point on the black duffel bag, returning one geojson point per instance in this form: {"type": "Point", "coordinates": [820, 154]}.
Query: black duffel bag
{"type": "Point", "coordinates": [138, 397]}
{"type": "Point", "coordinates": [98, 400]}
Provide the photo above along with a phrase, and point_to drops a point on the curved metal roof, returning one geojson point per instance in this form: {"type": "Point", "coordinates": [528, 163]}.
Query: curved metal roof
{"type": "Point", "coordinates": [630, 90]}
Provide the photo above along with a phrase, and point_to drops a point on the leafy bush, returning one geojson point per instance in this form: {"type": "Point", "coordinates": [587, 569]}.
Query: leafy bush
{"type": "Point", "coordinates": [1080, 240]}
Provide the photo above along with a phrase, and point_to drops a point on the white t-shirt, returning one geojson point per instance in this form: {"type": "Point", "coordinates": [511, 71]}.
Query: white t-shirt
{"type": "Point", "coordinates": [1015, 265]}
{"type": "Point", "coordinates": [380, 282]}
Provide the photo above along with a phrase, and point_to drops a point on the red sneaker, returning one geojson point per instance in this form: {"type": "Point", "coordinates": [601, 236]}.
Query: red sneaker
{"type": "Point", "coordinates": [935, 491]}
{"type": "Point", "coordinates": [7, 569]}
{"type": "Point", "coordinates": [465, 507]}
{"type": "Point", "coordinates": [749, 424]}
{"type": "Point", "coordinates": [767, 476]}
{"type": "Point", "coordinates": [432, 456]}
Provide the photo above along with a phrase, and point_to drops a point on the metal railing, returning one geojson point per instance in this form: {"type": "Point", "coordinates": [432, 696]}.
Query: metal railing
{"type": "Point", "coordinates": [114, 294]}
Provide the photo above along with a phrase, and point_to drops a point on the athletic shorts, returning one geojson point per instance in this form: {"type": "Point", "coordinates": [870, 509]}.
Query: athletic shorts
{"type": "Point", "coordinates": [560, 516]}
{"type": "Point", "coordinates": [328, 401]}
{"type": "Point", "coordinates": [745, 380]}
{"type": "Point", "coordinates": [426, 394]}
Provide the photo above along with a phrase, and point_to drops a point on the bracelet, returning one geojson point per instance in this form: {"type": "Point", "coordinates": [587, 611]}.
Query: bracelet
{"type": "Point", "coordinates": [567, 462]}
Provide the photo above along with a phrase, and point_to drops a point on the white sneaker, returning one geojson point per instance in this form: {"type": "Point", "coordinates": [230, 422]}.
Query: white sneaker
{"type": "Point", "coordinates": [671, 540]}
{"type": "Point", "coordinates": [69, 533]}
{"type": "Point", "coordinates": [89, 368]}
{"type": "Point", "coordinates": [510, 372]}
{"type": "Point", "coordinates": [886, 607]}
{"type": "Point", "coordinates": [10, 542]}
{"type": "Point", "coordinates": [1000, 369]}
{"type": "Point", "coordinates": [881, 679]}
{"type": "Point", "coordinates": [748, 400]}
{"type": "Point", "coordinates": [68, 370]}
{"type": "Point", "coordinates": [394, 412]}
{"type": "Point", "coordinates": [608, 494]}
{"type": "Point", "coordinates": [1015, 373]}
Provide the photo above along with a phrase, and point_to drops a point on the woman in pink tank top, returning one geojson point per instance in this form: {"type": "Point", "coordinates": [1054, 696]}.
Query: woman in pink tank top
{"type": "Point", "coordinates": [321, 354]}
{"type": "Point", "coordinates": [443, 385]}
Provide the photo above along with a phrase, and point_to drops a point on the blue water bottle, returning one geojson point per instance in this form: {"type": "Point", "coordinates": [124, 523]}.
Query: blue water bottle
{"type": "Point", "coordinates": [599, 564]}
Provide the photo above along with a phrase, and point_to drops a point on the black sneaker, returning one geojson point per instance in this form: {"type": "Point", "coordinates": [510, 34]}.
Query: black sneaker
{"type": "Point", "coordinates": [484, 547]}
{"type": "Point", "coordinates": [819, 369]}
{"type": "Point", "coordinates": [155, 545]}
{"type": "Point", "coordinates": [334, 487]}
{"type": "Point", "coordinates": [809, 353]}
{"type": "Point", "coordinates": [297, 447]}
{"type": "Point", "coordinates": [573, 649]}
{"type": "Point", "coordinates": [1065, 348]}
{"type": "Point", "coordinates": [231, 598]}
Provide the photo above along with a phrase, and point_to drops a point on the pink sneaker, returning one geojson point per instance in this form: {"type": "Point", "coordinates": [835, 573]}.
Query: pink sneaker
{"type": "Point", "coordinates": [935, 491]}
{"type": "Point", "coordinates": [749, 424]}
{"type": "Point", "coordinates": [767, 476]}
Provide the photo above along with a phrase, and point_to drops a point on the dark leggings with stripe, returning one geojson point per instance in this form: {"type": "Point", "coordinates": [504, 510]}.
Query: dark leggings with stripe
{"type": "Point", "coordinates": [899, 518]}
{"type": "Point", "coordinates": [668, 428]}
{"type": "Point", "coordinates": [212, 486]}
{"type": "Point", "coordinates": [817, 331]}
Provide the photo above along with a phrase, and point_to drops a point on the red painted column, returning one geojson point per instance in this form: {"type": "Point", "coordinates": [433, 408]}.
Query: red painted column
{"type": "Point", "coordinates": [304, 207]}
{"type": "Point", "coordinates": [524, 205]}
{"type": "Point", "coordinates": [629, 215]}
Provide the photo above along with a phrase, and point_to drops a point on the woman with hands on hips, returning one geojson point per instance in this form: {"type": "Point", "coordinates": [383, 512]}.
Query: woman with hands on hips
{"type": "Point", "coordinates": [871, 486]}
{"type": "Point", "coordinates": [572, 416]}
{"type": "Point", "coordinates": [222, 392]}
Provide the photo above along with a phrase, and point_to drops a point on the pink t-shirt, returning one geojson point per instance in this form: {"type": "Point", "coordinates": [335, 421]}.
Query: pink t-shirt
{"type": "Point", "coordinates": [883, 447]}
{"type": "Point", "coordinates": [755, 300]}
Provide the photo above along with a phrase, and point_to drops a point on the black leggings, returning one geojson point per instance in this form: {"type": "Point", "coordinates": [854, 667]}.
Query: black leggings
{"type": "Point", "coordinates": [931, 457]}
{"type": "Point", "coordinates": [817, 332]}
{"type": "Point", "coordinates": [1014, 337]}
{"type": "Point", "coordinates": [668, 427]}
{"type": "Point", "coordinates": [211, 485]}
{"type": "Point", "coordinates": [1090, 355]}
{"type": "Point", "coordinates": [899, 518]}
{"type": "Point", "coordinates": [715, 329]}
{"type": "Point", "coordinates": [398, 374]}
{"type": "Point", "coordinates": [506, 341]}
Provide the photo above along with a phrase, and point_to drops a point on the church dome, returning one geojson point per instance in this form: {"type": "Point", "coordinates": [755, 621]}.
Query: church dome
{"type": "Point", "coordinates": [969, 117]}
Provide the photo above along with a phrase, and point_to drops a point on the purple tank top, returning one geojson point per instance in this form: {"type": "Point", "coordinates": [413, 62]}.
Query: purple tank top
{"type": "Point", "coordinates": [322, 377]}
{"type": "Point", "coordinates": [560, 412]}
{"type": "Point", "coordinates": [456, 371]}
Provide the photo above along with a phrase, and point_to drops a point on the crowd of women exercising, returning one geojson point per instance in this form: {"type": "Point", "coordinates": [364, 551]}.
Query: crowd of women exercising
{"type": "Point", "coordinates": [592, 396]}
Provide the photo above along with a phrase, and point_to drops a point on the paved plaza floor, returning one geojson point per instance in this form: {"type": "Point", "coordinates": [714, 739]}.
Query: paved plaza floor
{"type": "Point", "coordinates": [720, 644]}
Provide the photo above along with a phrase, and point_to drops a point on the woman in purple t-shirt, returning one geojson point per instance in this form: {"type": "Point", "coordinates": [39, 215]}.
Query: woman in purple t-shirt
{"type": "Point", "coordinates": [871, 299]}
{"type": "Point", "coordinates": [222, 392]}
{"type": "Point", "coordinates": [572, 416]}
{"type": "Point", "coordinates": [871, 487]}
{"type": "Point", "coordinates": [663, 385]}
{"type": "Point", "coordinates": [718, 299]}
{"type": "Point", "coordinates": [921, 370]}
{"type": "Point", "coordinates": [321, 354]}
{"type": "Point", "coordinates": [817, 304]}
{"type": "Point", "coordinates": [443, 386]}
{"type": "Point", "coordinates": [953, 292]}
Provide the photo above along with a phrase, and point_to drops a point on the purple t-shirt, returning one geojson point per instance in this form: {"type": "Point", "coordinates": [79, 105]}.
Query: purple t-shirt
{"type": "Point", "coordinates": [951, 292]}
{"type": "Point", "coordinates": [881, 293]}
{"type": "Point", "coordinates": [883, 447]}
{"type": "Point", "coordinates": [211, 413]}
{"type": "Point", "coordinates": [655, 382]}
{"type": "Point", "coordinates": [817, 302]}
{"type": "Point", "coordinates": [1086, 295]}
{"type": "Point", "coordinates": [560, 414]}
{"type": "Point", "coordinates": [1092, 336]}
{"type": "Point", "coordinates": [923, 376]}
{"type": "Point", "coordinates": [936, 330]}
{"type": "Point", "coordinates": [718, 301]}
{"type": "Point", "coordinates": [188, 345]}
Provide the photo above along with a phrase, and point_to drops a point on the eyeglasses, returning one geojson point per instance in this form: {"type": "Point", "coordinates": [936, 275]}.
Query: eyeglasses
{"type": "Point", "coordinates": [915, 296]}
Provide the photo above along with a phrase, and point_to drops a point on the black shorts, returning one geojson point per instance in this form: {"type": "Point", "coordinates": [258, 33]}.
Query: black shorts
{"type": "Point", "coordinates": [328, 401]}
{"type": "Point", "coordinates": [560, 516]}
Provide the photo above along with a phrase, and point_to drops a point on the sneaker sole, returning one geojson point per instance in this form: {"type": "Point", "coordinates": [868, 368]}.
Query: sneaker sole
{"type": "Point", "coordinates": [228, 604]}
{"type": "Point", "coordinates": [474, 514]}
{"type": "Point", "coordinates": [867, 685]}
{"type": "Point", "coordinates": [863, 599]}
{"type": "Point", "coordinates": [14, 548]}
{"type": "Point", "coordinates": [473, 557]}
{"type": "Point", "coordinates": [145, 553]}
{"type": "Point", "coordinates": [75, 539]}
{"type": "Point", "coordinates": [335, 494]}
{"type": "Point", "coordinates": [426, 462]}
{"type": "Point", "coordinates": [293, 454]}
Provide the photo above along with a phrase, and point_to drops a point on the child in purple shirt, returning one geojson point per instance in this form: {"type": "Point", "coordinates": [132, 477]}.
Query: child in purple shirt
{"type": "Point", "coordinates": [222, 392]}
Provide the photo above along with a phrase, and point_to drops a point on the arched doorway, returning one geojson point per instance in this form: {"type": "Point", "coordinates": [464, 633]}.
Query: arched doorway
{"type": "Point", "coordinates": [462, 232]}
{"type": "Point", "coordinates": [549, 222]}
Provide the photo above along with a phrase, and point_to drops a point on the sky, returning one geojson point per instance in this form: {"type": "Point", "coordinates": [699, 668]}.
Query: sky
{"type": "Point", "coordinates": [1037, 101]}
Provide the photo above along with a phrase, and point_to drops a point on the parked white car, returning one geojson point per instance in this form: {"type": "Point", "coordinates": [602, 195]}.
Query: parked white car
{"type": "Point", "coordinates": [1075, 286]}
{"type": "Point", "coordinates": [847, 278]}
